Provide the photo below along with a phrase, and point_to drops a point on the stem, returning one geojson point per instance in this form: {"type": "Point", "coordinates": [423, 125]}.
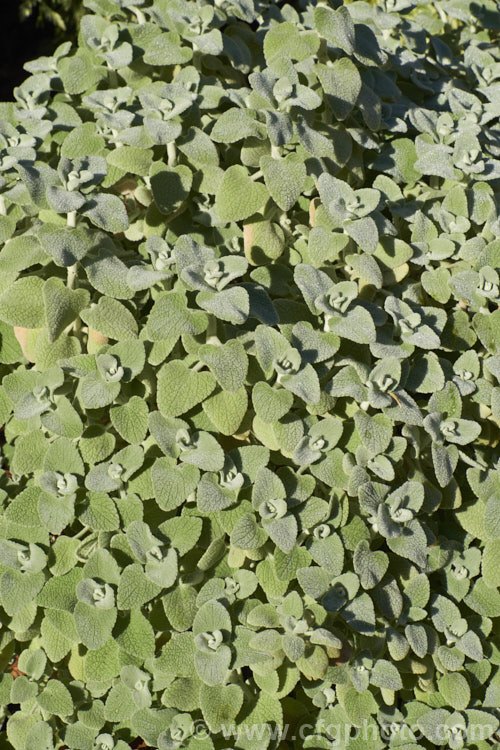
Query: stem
{"type": "Point", "coordinates": [113, 77]}
{"type": "Point", "coordinates": [141, 18]}
{"type": "Point", "coordinates": [81, 533]}
{"type": "Point", "coordinates": [3, 210]}
{"type": "Point", "coordinates": [71, 222]}
{"type": "Point", "coordinates": [171, 154]}
{"type": "Point", "coordinates": [77, 324]}
{"type": "Point", "coordinates": [284, 223]}
{"type": "Point", "coordinates": [276, 152]}
{"type": "Point", "coordinates": [198, 366]}
{"type": "Point", "coordinates": [442, 14]}
{"type": "Point", "coordinates": [257, 175]}
{"type": "Point", "coordinates": [211, 333]}
{"type": "Point", "coordinates": [71, 276]}
{"type": "Point", "coordinates": [176, 213]}
{"type": "Point", "coordinates": [471, 461]}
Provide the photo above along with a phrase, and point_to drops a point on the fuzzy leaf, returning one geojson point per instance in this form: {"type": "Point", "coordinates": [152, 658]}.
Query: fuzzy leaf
{"type": "Point", "coordinates": [284, 179]}
{"type": "Point", "coordinates": [227, 410]}
{"type": "Point", "coordinates": [179, 389]}
{"type": "Point", "coordinates": [238, 197]}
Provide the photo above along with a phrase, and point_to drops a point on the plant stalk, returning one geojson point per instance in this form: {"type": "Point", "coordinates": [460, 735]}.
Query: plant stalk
{"type": "Point", "coordinates": [71, 222]}
{"type": "Point", "coordinates": [171, 154]}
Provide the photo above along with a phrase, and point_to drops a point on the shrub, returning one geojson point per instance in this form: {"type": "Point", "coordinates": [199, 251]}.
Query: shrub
{"type": "Point", "coordinates": [250, 347]}
{"type": "Point", "coordinates": [62, 14]}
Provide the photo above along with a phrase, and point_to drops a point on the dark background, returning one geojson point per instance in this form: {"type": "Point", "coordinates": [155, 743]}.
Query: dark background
{"type": "Point", "coordinates": [20, 41]}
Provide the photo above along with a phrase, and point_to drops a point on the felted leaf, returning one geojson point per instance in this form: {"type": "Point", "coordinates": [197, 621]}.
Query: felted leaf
{"type": "Point", "coordinates": [62, 306]}
{"type": "Point", "coordinates": [246, 534]}
{"type": "Point", "coordinates": [370, 566]}
{"type": "Point", "coordinates": [182, 533]}
{"type": "Point", "coordinates": [284, 39]}
{"type": "Point", "coordinates": [269, 403]}
{"type": "Point", "coordinates": [56, 699]}
{"type": "Point", "coordinates": [212, 668]}
{"type": "Point", "coordinates": [455, 690]}
{"type": "Point", "coordinates": [111, 318]}
{"type": "Point", "coordinates": [79, 72]}
{"type": "Point", "coordinates": [235, 124]}
{"type": "Point", "coordinates": [96, 393]}
{"type": "Point", "coordinates": [284, 179]}
{"type": "Point", "coordinates": [386, 675]}
{"type": "Point", "coordinates": [55, 512]}
{"type": "Point", "coordinates": [171, 318]}
{"type": "Point", "coordinates": [444, 458]}
{"type": "Point", "coordinates": [341, 83]}
{"type": "Point", "coordinates": [107, 212]}
{"type": "Point", "coordinates": [227, 409]}
{"type": "Point", "coordinates": [100, 512]}
{"type": "Point", "coordinates": [22, 303]}
{"type": "Point", "coordinates": [18, 589]}
{"type": "Point", "coordinates": [108, 274]}
{"type": "Point", "coordinates": [165, 49]}
{"type": "Point", "coordinates": [170, 186]}
{"type": "Point", "coordinates": [436, 284]}
{"type": "Point", "coordinates": [375, 432]}
{"type": "Point", "coordinates": [173, 484]}
{"type": "Point", "coordinates": [20, 253]}
{"type": "Point", "coordinates": [490, 567]}
{"type": "Point", "coordinates": [103, 664]}
{"type": "Point", "coordinates": [336, 26]}
{"type": "Point", "coordinates": [283, 532]}
{"type": "Point", "coordinates": [228, 363]}
{"type": "Point", "coordinates": [426, 375]}
{"type": "Point", "coordinates": [220, 705]}
{"type": "Point", "coordinates": [67, 245]}
{"type": "Point", "coordinates": [238, 197]}
{"type": "Point", "coordinates": [179, 389]}
{"type": "Point", "coordinates": [134, 588]}
{"type": "Point", "coordinates": [232, 304]}
{"type": "Point", "coordinates": [130, 159]}
{"type": "Point", "coordinates": [130, 420]}
{"type": "Point", "coordinates": [204, 452]}
{"type": "Point", "coordinates": [360, 614]}
{"type": "Point", "coordinates": [94, 625]}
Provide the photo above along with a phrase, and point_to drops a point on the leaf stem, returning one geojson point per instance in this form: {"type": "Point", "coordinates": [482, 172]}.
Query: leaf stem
{"type": "Point", "coordinates": [141, 18]}
{"type": "Point", "coordinates": [3, 210]}
{"type": "Point", "coordinates": [81, 533]}
{"type": "Point", "coordinates": [71, 276]}
{"type": "Point", "coordinates": [275, 152]}
{"type": "Point", "coordinates": [113, 77]}
{"type": "Point", "coordinates": [471, 461]}
{"type": "Point", "coordinates": [71, 222]}
{"type": "Point", "coordinates": [171, 154]}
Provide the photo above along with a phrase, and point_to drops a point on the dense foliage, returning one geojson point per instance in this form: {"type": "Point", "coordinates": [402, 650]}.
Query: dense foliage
{"type": "Point", "coordinates": [62, 14]}
{"type": "Point", "coordinates": [250, 379]}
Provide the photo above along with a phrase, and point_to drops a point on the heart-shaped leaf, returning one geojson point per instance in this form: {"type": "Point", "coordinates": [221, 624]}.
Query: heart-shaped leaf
{"type": "Point", "coordinates": [284, 179]}
{"type": "Point", "coordinates": [179, 388]}
{"type": "Point", "coordinates": [238, 196]}
{"type": "Point", "coordinates": [270, 403]}
{"type": "Point", "coordinates": [370, 566]}
{"type": "Point", "coordinates": [220, 704]}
